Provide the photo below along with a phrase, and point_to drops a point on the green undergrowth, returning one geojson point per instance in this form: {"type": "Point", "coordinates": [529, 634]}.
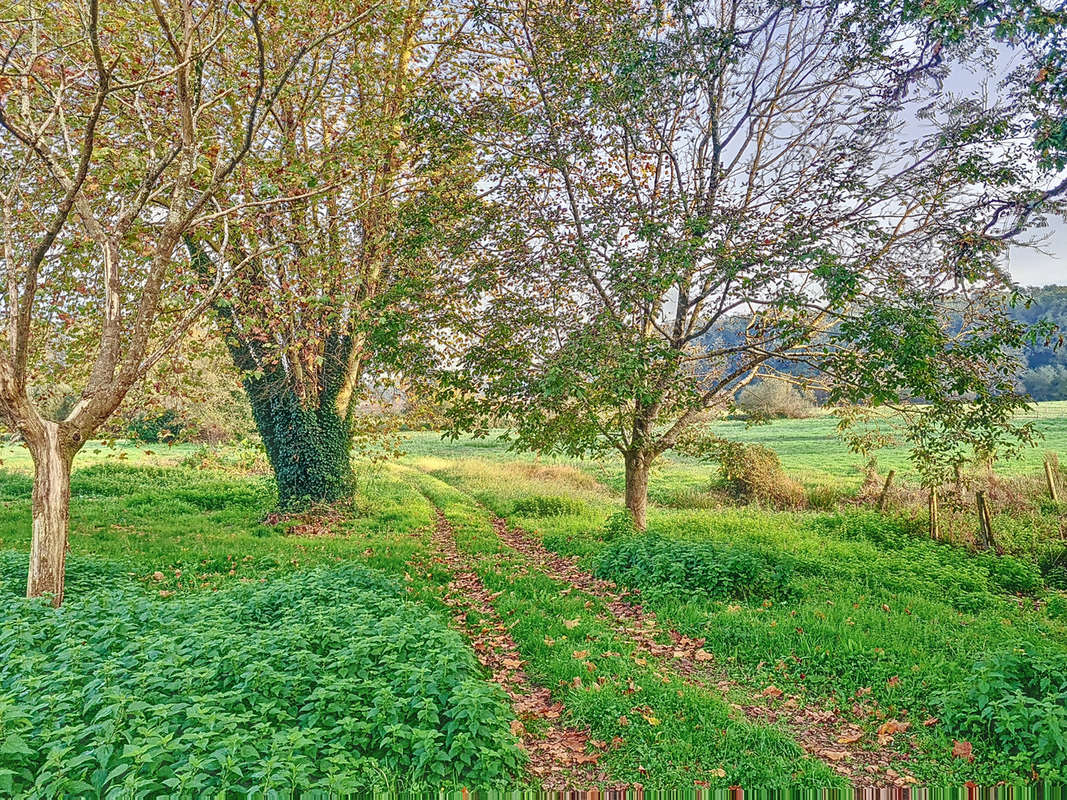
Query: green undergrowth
{"type": "Point", "coordinates": [878, 623]}
{"type": "Point", "coordinates": [659, 730]}
{"type": "Point", "coordinates": [665, 567]}
{"type": "Point", "coordinates": [326, 679]}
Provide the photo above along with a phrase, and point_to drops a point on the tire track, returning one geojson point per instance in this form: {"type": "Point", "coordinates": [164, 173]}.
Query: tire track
{"type": "Point", "coordinates": [559, 756]}
{"type": "Point", "coordinates": [819, 732]}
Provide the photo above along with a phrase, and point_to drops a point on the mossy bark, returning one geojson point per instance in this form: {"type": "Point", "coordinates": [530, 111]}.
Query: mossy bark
{"type": "Point", "coordinates": [310, 448]}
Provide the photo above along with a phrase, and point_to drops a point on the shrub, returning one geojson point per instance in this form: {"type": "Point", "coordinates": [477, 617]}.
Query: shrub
{"type": "Point", "coordinates": [618, 526]}
{"type": "Point", "coordinates": [1053, 566]}
{"type": "Point", "coordinates": [678, 568]}
{"type": "Point", "coordinates": [774, 399]}
{"type": "Point", "coordinates": [165, 426]}
{"type": "Point", "coordinates": [547, 506]}
{"type": "Point", "coordinates": [1016, 701]}
{"type": "Point", "coordinates": [328, 681]}
{"type": "Point", "coordinates": [754, 472]}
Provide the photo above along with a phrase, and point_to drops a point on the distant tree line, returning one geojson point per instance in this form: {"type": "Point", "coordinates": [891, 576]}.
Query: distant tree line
{"type": "Point", "coordinates": [1042, 364]}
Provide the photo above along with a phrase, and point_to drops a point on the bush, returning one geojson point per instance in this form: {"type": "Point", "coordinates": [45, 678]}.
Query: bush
{"type": "Point", "coordinates": [1053, 566]}
{"type": "Point", "coordinates": [619, 525]}
{"type": "Point", "coordinates": [754, 472]}
{"type": "Point", "coordinates": [547, 506]}
{"type": "Point", "coordinates": [774, 399]}
{"type": "Point", "coordinates": [328, 681]}
{"type": "Point", "coordinates": [165, 426]}
{"type": "Point", "coordinates": [1016, 701]}
{"type": "Point", "coordinates": [679, 568]}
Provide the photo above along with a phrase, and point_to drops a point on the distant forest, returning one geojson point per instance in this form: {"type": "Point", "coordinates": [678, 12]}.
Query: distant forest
{"type": "Point", "coordinates": [1044, 369]}
{"type": "Point", "coordinates": [1044, 376]}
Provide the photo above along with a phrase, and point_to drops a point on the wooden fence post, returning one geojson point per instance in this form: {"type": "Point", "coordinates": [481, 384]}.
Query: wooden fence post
{"type": "Point", "coordinates": [885, 489]}
{"type": "Point", "coordinates": [1050, 478]}
{"type": "Point", "coordinates": [985, 523]}
{"type": "Point", "coordinates": [935, 527]}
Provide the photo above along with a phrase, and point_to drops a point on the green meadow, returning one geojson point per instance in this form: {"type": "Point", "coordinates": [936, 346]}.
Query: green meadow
{"type": "Point", "coordinates": [208, 646]}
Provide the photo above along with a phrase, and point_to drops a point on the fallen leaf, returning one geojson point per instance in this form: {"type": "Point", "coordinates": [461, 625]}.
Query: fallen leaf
{"type": "Point", "coordinates": [158, 576]}
{"type": "Point", "coordinates": [703, 655]}
{"type": "Point", "coordinates": [571, 624]}
{"type": "Point", "coordinates": [718, 772]}
{"type": "Point", "coordinates": [834, 755]}
{"type": "Point", "coordinates": [580, 654]}
{"type": "Point", "coordinates": [549, 641]}
{"type": "Point", "coordinates": [894, 681]}
{"type": "Point", "coordinates": [651, 720]}
{"type": "Point", "coordinates": [963, 749]}
{"type": "Point", "coordinates": [772, 691]}
{"type": "Point", "coordinates": [929, 723]}
{"type": "Point", "coordinates": [850, 738]}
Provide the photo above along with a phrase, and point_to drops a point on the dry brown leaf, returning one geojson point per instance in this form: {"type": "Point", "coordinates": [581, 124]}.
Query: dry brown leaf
{"type": "Point", "coordinates": [963, 749]}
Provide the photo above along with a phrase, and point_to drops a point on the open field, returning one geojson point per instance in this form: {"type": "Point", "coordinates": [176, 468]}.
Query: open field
{"type": "Point", "coordinates": [767, 648]}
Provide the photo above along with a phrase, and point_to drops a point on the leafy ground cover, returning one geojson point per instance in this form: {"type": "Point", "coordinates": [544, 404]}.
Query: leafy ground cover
{"type": "Point", "coordinates": [882, 626]}
{"type": "Point", "coordinates": [209, 645]}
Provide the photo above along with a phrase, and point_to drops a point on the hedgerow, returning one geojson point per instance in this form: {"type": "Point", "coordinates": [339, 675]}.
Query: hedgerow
{"type": "Point", "coordinates": [677, 567]}
{"type": "Point", "coordinates": [327, 680]}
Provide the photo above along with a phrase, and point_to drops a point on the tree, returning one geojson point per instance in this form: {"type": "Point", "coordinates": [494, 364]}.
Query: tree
{"type": "Point", "coordinates": [671, 167]}
{"type": "Point", "coordinates": [120, 132]}
{"type": "Point", "coordinates": [367, 148]}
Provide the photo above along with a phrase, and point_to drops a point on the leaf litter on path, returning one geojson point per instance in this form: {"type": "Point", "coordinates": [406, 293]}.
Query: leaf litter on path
{"type": "Point", "coordinates": [560, 757]}
{"type": "Point", "coordinates": [821, 733]}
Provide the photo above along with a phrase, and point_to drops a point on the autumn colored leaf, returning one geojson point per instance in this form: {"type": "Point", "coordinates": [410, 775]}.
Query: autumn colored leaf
{"type": "Point", "coordinates": [963, 749]}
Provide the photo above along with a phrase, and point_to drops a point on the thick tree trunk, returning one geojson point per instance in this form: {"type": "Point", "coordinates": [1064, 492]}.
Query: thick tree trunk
{"type": "Point", "coordinates": [51, 513]}
{"type": "Point", "coordinates": [637, 466]}
{"type": "Point", "coordinates": [310, 449]}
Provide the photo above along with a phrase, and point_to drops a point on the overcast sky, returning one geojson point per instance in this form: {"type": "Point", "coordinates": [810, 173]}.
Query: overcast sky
{"type": "Point", "coordinates": [1044, 264]}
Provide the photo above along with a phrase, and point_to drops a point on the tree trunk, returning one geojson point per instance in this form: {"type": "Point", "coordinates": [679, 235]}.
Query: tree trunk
{"type": "Point", "coordinates": [637, 464]}
{"type": "Point", "coordinates": [51, 513]}
{"type": "Point", "coordinates": [310, 449]}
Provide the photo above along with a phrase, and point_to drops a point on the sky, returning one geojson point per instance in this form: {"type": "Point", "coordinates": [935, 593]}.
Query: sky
{"type": "Point", "coordinates": [1044, 263]}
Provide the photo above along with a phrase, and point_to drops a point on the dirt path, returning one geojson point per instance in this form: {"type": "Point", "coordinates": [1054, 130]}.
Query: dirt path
{"type": "Point", "coordinates": [821, 733]}
{"type": "Point", "coordinates": [559, 757]}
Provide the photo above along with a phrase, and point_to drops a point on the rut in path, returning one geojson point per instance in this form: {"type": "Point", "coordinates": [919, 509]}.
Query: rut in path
{"type": "Point", "coordinates": [559, 757]}
{"type": "Point", "coordinates": [819, 732]}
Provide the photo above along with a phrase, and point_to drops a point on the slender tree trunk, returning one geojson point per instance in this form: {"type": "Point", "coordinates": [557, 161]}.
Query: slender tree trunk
{"type": "Point", "coordinates": [52, 460]}
{"type": "Point", "coordinates": [637, 466]}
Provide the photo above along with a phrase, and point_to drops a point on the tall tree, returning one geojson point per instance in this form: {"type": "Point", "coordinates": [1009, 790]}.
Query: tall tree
{"type": "Point", "coordinates": [671, 165]}
{"type": "Point", "coordinates": [120, 131]}
{"type": "Point", "coordinates": [370, 150]}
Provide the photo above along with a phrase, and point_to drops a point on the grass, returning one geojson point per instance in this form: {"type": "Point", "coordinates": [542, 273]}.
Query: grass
{"type": "Point", "coordinates": [849, 611]}
{"type": "Point", "coordinates": [880, 613]}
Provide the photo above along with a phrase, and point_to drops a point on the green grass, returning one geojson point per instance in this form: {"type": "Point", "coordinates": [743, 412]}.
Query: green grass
{"type": "Point", "coordinates": [810, 450]}
{"type": "Point", "coordinates": [880, 612]}
{"type": "Point", "coordinates": [847, 609]}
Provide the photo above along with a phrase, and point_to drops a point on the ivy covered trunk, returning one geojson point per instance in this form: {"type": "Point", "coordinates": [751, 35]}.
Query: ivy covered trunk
{"type": "Point", "coordinates": [637, 467]}
{"type": "Point", "coordinates": [52, 459]}
{"type": "Point", "coordinates": [309, 444]}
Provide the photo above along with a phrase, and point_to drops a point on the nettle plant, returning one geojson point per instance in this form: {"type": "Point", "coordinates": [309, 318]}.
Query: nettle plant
{"type": "Point", "coordinates": [796, 174]}
{"type": "Point", "coordinates": [121, 130]}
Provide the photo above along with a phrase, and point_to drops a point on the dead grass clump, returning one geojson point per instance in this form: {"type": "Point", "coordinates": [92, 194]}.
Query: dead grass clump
{"type": "Point", "coordinates": [556, 473]}
{"type": "Point", "coordinates": [753, 472]}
